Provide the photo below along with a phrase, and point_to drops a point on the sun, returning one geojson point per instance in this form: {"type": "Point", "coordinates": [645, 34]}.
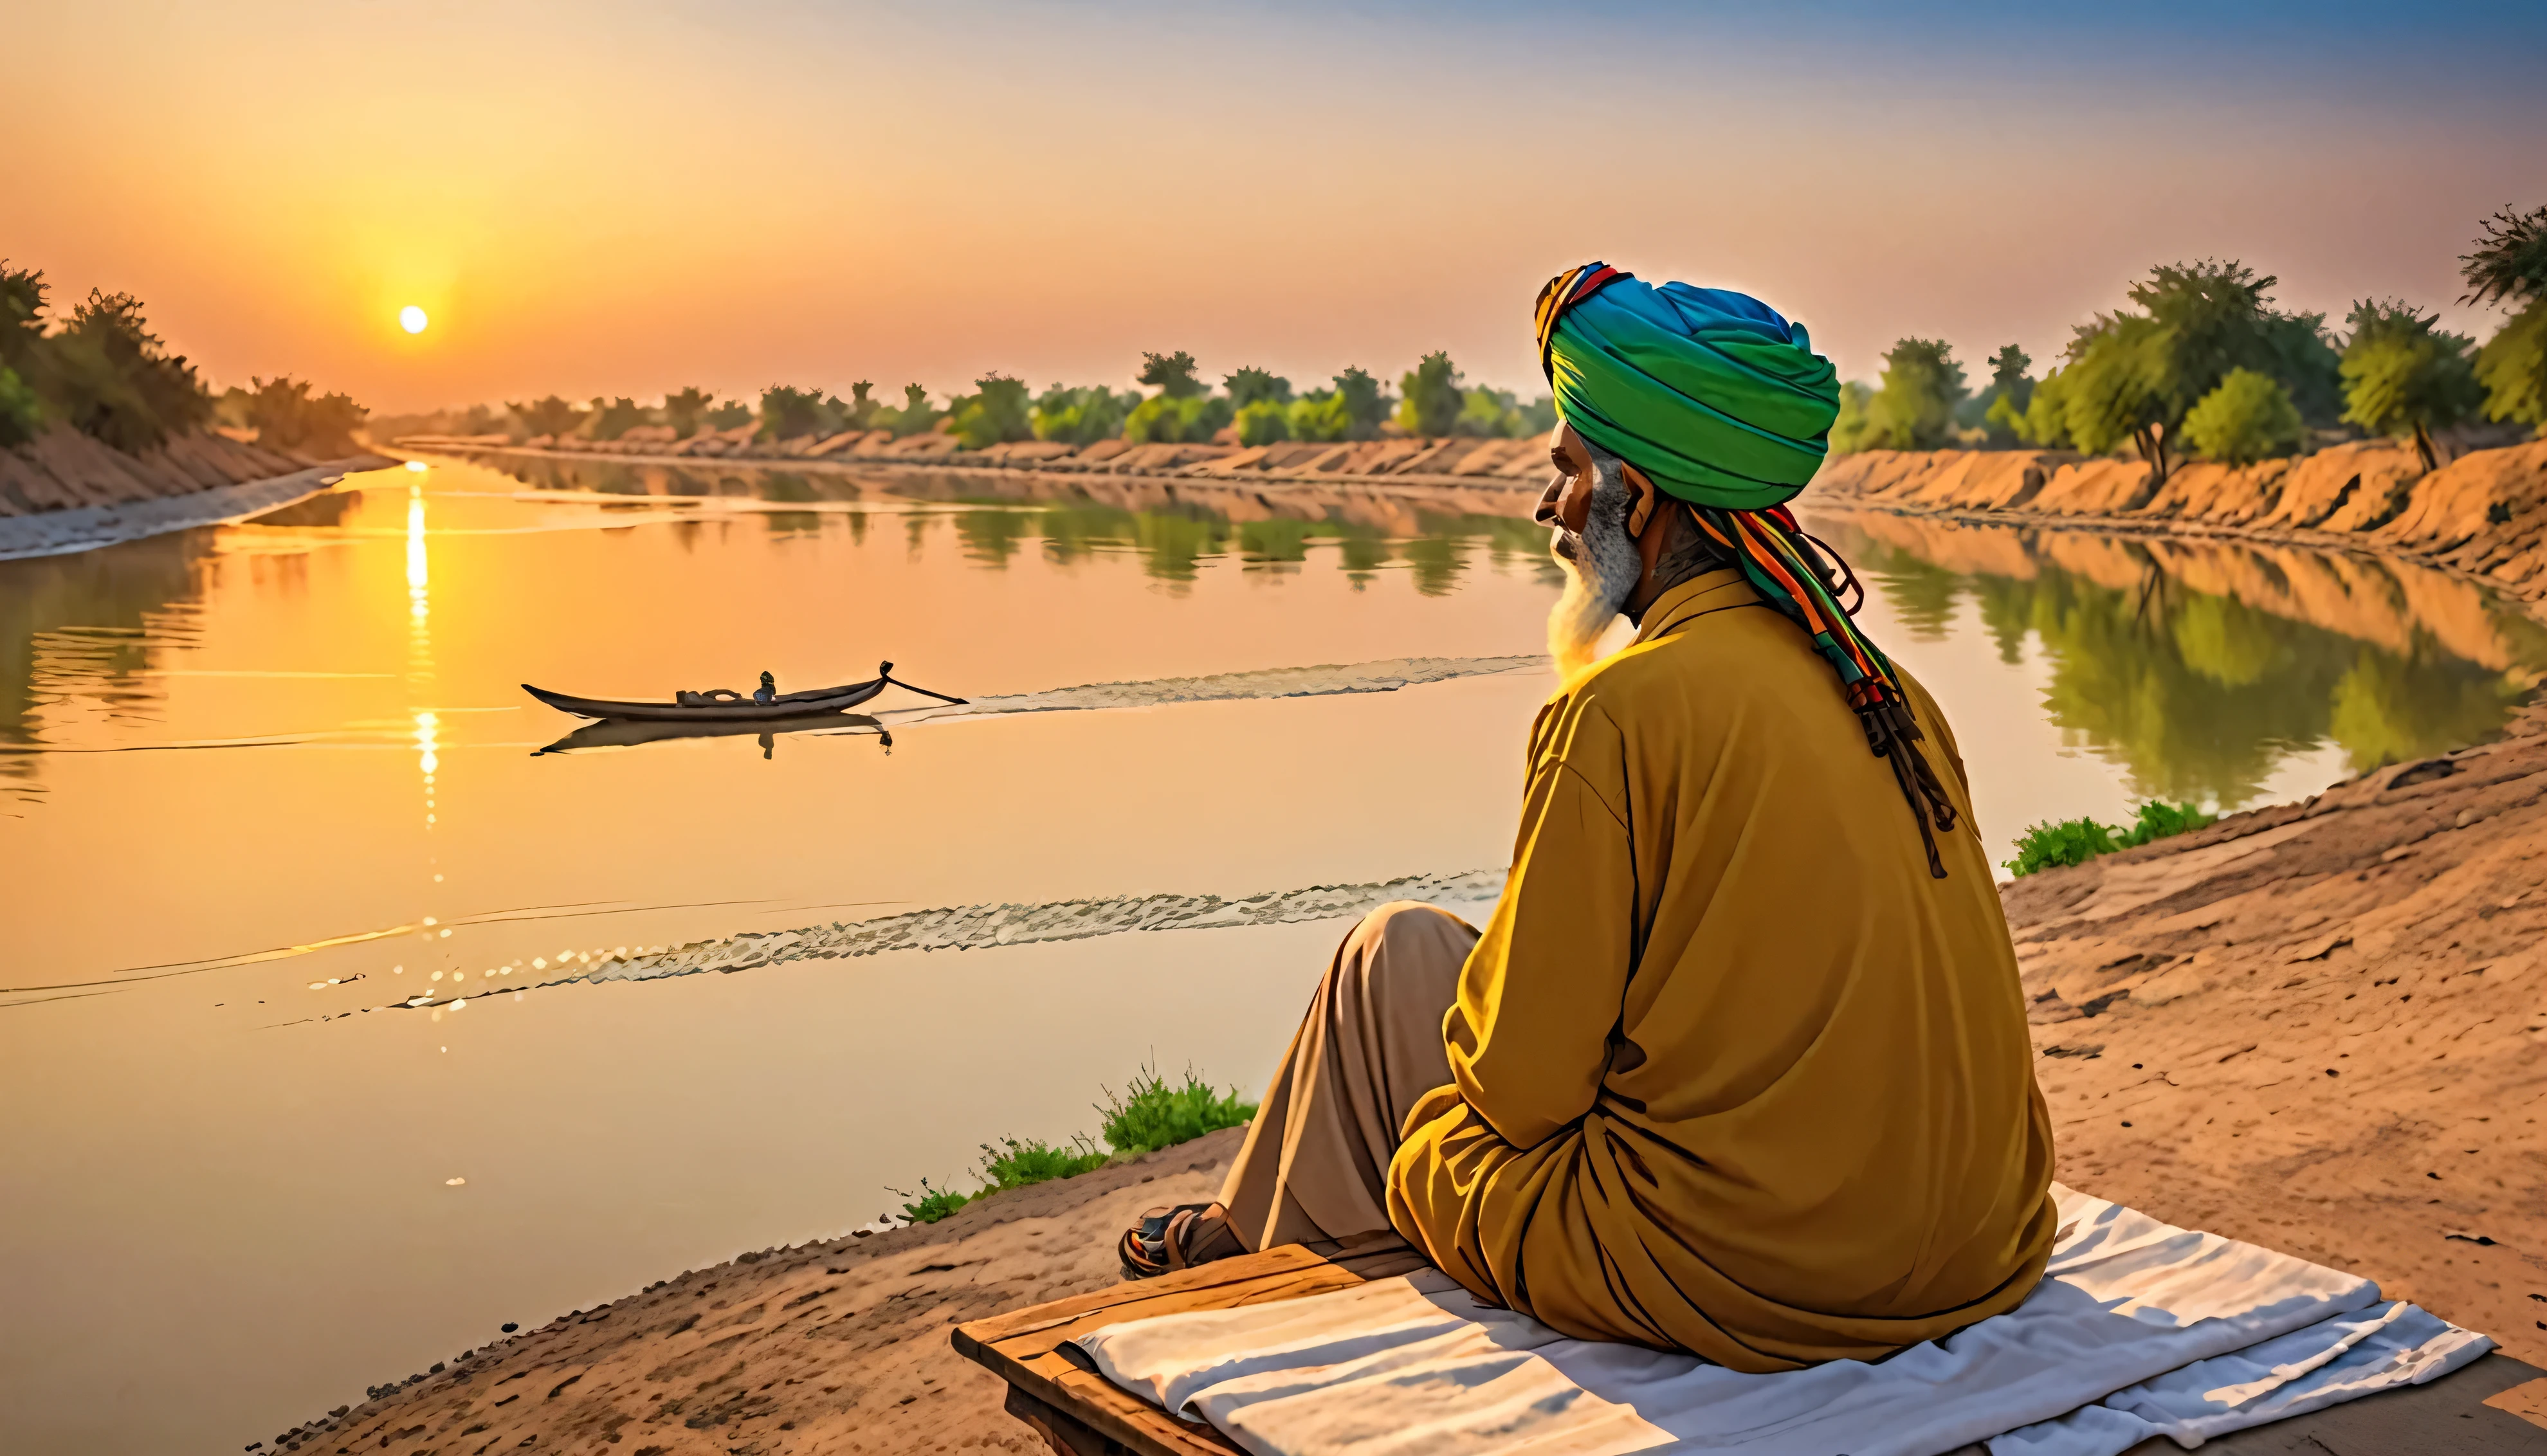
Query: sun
{"type": "Point", "coordinates": [413, 319]}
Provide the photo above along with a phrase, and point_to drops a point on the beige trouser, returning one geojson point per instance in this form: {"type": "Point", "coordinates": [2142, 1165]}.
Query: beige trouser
{"type": "Point", "coordinates": [1315, 1164]}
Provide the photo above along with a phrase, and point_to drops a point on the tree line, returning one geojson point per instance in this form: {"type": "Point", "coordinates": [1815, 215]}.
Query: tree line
{"type": "Point", "coordinates": [2201, 363]}
{"type": "Point", "coordinates": [104, 373]}
{"type": "Point", "coordinates": [1256, 406]}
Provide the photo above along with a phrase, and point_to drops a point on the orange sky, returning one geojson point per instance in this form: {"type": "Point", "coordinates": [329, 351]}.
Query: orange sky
{"type": "Point", "coordinates": [627, 200]}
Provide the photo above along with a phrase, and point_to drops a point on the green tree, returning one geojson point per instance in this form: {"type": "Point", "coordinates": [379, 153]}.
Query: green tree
{"type": "Point", "coordinates": [21, 332]}
{"type": "Point", "coordinates": [286, 417]}
{"type": "Point", "coordinates": [22, 314]}
{"type": "Point", "coordinates": [1488, 414]}
{"type": "Point", "coordinates": [2046, 421]}
{"type": "Point", "coordinates": [550, 417]}
{"type": "Point", "coordinates": [1914, 406]}
{"type": "Point", "coordinates": [1538, 417]}
{"type": "Point", "coordinates": [1848, 432]}
{"type": "Point", "coordinates": [616, 417]}
{"type": "Point", "coordinates": [2403, 379]}
{"type": "Point", "coordinates": [1365, 404]}
{"type": "Point", "coordinates": [22, 410]}
{"type": "Point", "coordinates": [2114, 389]}
{"type": "Point", "coordinates": [1172, 375]}
{"type": "Point", "coordinates": [914, 417]}
{"type": "Point", "coordinates": [788, 413]}
{"type": "Point", "coordinates": [997, 413]}
{"type": "Point", "coordinates": [2508, 266]}
{"type": "Point", "coordinates": [685, 410]}
{"type": "Point", "coordinates": [1081, 416]}
{"type": "Point", "coordinates": [1250, 385]}
{"type": "Point", "coordinates": [2303, 357]}
{"type": "Point", "coordinates": [112, 379]}
{"type": "Point", "coordinates": [2002, 404]}
{"type": "Point", "coordinates": [2134, 375]}
{"type": "Point", "coordinates": [2248, 418]}
{"type": "Point", "coordinates": [1434, 397]}
{"type": "Point", "coordinates": [1168, 419]}
{"type": "Point", "coordinates": [729, 416]}
{"type": "Point", "coordinates": [1321, 415]}
{"type": "Point", "coordinates": [861, 408]}
{"type": "Point", "coordinates": [1264, 422]}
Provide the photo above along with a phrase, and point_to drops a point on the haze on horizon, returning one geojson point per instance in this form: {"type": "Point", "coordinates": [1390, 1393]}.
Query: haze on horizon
{"type": "Point", "coordinates": [623, 200]}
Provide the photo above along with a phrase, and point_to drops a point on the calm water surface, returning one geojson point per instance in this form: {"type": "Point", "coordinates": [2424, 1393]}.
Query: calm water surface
{"type": "Point", "coordinates": [259, 785]}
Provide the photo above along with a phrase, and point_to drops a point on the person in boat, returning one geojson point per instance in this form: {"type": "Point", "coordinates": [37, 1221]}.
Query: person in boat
{"type": "Point", "coordinates": [767, 692]}
{"type": "Point", "coordinates": [1738, 1065]}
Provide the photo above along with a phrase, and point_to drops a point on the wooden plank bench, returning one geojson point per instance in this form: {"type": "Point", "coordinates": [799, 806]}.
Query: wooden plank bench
{"type": "Point", "coordinates": [1053, 1388]}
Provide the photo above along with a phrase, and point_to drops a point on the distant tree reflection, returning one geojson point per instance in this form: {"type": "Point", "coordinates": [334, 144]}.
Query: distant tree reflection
{"type": "Point", "coordinates": [2199, 694]}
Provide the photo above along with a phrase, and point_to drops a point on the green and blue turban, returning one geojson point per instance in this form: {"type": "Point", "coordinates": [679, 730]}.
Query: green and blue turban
{"type": "Point", "coordinates": [1721, 404]}
{"type": "Point", "coordinates": [1716, 397]}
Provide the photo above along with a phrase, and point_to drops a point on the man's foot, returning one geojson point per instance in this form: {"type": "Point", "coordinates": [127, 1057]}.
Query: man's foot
{"type": "Point", "coordinates": [1177, 1238]}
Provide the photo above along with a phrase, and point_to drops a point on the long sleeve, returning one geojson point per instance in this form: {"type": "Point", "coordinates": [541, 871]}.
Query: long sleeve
{"type": "Point", "coordinates": [1530, 1034]}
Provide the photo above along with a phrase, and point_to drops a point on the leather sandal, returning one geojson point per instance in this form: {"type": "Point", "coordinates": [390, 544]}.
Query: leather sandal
{"type": "Point", "coordinates": [1168, 1238]}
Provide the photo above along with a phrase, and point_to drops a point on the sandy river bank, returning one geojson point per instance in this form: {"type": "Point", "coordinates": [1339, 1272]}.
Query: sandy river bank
{"type": "Point", "coordinates": [2316, 1026]}
{"type": "Point", "coordinates": [65, 493]}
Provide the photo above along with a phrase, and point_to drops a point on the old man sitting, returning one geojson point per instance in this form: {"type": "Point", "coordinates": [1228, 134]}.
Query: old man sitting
{"type": "Point", "coordinates": [1738, 1065]}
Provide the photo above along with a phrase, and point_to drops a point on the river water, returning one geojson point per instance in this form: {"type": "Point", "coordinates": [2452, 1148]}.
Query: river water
{"type": "Point", "coordinates": [264, 786]}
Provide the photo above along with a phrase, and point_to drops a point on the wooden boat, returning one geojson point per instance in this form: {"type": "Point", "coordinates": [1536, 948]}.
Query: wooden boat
{"type": "Point", "coordinates": [733, 708]}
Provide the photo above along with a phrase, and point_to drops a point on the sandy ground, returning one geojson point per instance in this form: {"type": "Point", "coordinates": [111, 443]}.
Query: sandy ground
{"type": "Point", "coordinates": [2321, 1027]}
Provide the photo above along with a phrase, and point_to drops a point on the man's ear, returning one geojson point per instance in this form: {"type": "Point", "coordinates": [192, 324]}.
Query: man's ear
{"type": "Point", "coordinates": [1640, 500]}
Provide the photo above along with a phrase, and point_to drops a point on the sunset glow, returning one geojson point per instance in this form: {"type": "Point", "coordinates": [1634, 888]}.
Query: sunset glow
{"type": "Point", "coordinates": [707, 204]}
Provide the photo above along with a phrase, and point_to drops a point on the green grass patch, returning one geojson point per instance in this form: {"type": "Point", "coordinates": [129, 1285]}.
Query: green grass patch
{"type": "Point", "coordinates": [1015, 1164]}
{"type": "Point", "coordinates": [929, 1204]}
{"type": "Point", "coordinates": [2056, 842]}
{"type": "Point", "coordinates": [1151, 1114]}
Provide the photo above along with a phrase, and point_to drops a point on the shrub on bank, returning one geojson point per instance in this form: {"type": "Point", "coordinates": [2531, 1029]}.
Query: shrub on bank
{"type": "Point", "coordinates": [285, 416]}
{"type": "Point", "coordinates": [1264, 422]}
{"type": "Point", "coordinates": [2062, 842]}
{"type": "Point", "coordinates": [1321, 416]}
{"type": "Point", "coordinates": [1170, 419]}
{"type": "Point", "coordinates": [998, 413]}
{"type": "Point", "coordinates": [2248, 418]}
{"type": "Point", "coordinates": [1434, 397]}
{"type": "Point", "coordinates": [1150, 1115]}
{"type": "Point", "coordinates": [1082, 417]}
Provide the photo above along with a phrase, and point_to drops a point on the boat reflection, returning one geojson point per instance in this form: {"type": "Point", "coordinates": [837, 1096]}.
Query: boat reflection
{"type": "Point", "coordinates": [623, 733]}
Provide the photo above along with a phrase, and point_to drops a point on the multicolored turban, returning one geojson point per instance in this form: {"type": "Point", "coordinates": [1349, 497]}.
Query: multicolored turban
{"type": "Point", "coordinates": [1721, 404]}
{"type": "Point", "coordinates": [1717, 398]}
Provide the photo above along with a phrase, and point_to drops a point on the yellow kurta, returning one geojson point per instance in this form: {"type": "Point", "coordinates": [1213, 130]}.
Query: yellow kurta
{"type": "Point", "coordinates": [1734, 1074]}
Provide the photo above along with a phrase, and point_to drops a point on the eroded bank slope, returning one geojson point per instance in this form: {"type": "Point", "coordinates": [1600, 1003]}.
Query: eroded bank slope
{"type": "Point", "coordinates": [65, 492]}
{"type": "Point", "coordinates": [2483, 513]}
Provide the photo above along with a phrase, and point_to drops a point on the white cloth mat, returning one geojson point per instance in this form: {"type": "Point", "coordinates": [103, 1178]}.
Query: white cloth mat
{"type": "Point", "coordinates": [2138, 1328]}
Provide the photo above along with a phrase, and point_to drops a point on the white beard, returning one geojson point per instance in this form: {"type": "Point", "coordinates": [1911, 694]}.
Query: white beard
{"type": "Point", "coordinates": [1599, 576]}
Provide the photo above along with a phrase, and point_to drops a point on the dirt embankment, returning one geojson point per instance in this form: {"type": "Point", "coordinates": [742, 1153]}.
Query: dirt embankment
{"type": "Point", "coordinates": [2323, 1027]}
{"type": "Point", "coordinates": [64, 469]}
{"type": "Point", "coordinates": [2483, 513]}
{"type": "Point", "coordinates": [2320, 1026]}
{"type": "Point", "coordinates": [66, 492]}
